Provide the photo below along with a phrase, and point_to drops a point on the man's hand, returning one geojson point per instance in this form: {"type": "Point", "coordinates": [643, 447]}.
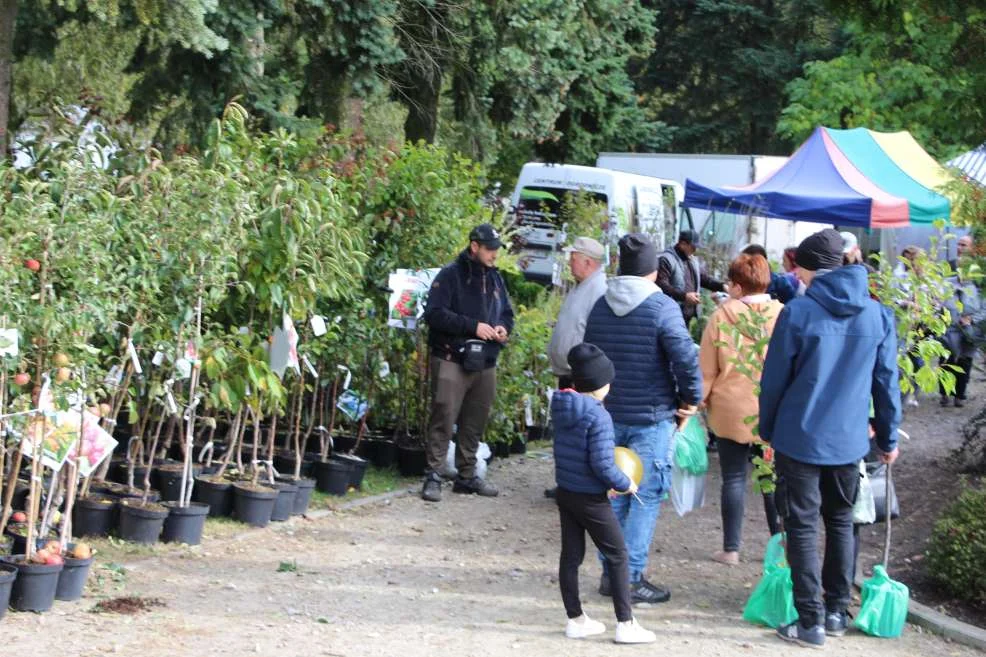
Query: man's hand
{"type": "Point", "coordinates": [485, 332]}
{"type": "Point", "coordinates": [889, 457]}
{"type": "Point", "coordinates": [632, 490]}
{"type": "Point", "coordinates": [501, 333]}
{"type": "Point", "coordinates": [692, 298]}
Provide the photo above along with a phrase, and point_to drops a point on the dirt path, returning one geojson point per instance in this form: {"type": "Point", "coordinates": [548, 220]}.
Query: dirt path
{"type": "Point", "coordinates": [468, 577]}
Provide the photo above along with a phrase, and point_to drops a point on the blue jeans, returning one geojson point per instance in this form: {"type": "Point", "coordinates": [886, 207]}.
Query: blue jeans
{"type": "Point", "coordinates": [638, 518]}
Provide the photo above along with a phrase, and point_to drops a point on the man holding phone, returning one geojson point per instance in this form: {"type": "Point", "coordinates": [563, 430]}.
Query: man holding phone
{"type": "Point", "coordinates": [469, 317]}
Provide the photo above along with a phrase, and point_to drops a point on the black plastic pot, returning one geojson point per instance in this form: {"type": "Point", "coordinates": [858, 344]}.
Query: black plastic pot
{"type": "Point", "coordinates": [411, 461]}
{"type": "Point", "coordinates": [141, 524]}
{"type": "Point", "coordinates": [169, 482]}
{"type": "Point", "coordinates": [72, 579]}
{"type": "Point", "coordinates": [343, 443]}
{"type": "Point", "coordinates": [35, 585]}
{"type": "Point", "coordinates": [18, 541]}
{"type": "Point", "coordinates": [357, 468]}
{"type": "Point", "coordinates": [303, 497]}
{"type": "Point", "coordinates": [539, 433]}
{"type": "Point", "coordinates": [218, 495]}
{"type": "Point", "coordinates": [284, 504]}
{"type": "Point", "coordinates": [253, 505]}
{"type": "Point", "coordinates": [184, 524]}
{"type": "Point", "coordinates": [285, 465]}
{"type": "Point", "coordinates": [21, 491]}
{"type": "Point", "coordinates": [501, 449]}
{"type": "Point", "coordinates": [518, 446]}
{"type": "Point", "coordinates": [332, 477]}
{"type": "Point", "coordinates": [93, 516]}
{"type": "Point", "coordinates": [8, 573]}
{"type": "Point", "coordinates": [383, 453]}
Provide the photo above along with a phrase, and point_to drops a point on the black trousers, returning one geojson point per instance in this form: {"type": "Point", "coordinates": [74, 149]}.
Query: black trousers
{"type": "Point", "coordinates": [805, 491]}
{"type": "Point", "coordinates": [961, 376]}
{"type": "Point", "coordinates": [734, 460]}
{"type": "Point", "coordinates": [592, 513]}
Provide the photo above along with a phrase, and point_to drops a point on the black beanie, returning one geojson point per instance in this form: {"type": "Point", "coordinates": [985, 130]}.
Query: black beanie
{"type": "Point", "coordinates": [591, 368]}
{"type": "Point", "coordinates": [638, 257]}
{"type": "Point", "coordinates": [823, 250]}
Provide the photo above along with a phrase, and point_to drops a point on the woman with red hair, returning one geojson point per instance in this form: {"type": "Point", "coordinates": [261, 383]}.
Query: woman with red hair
{"type": "Point", "coordinates": [730, 398]}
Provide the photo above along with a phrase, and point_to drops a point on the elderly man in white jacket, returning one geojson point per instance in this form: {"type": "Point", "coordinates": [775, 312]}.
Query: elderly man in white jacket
{"type": "Point", "coordinates": [585, 259]}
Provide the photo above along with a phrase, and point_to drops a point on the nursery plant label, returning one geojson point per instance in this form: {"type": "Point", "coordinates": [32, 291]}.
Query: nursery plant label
{"type": "Point", "coordinates": [408, 293]}
{"type": "Point", "coordinates": [349, 376]}
{"type": "Point", "coordinates": [353, 405]}
{"type": "Point", "coordinates": [8, 342]}
{"type": "Point", "coordinates": [284, 348]}
{"type": "Point", "coordinates": [114, 377]}
{"type": "Point", "coordinates": [384, 370]}
{"type": "Point", "coordinates": [183, 368]}
{"type": "Point", "coordinates": [60, 440]}
{"type": "Point", "coordinates": [308, 366]}
{"type": "Point", "coordinates": [318, 326]}
{"type": "Point", "coordinates": [134, 360]}
{"type": "Point", "coordinates": [528, 412]}
{"type": "Point", "coordinates": [158, 358]}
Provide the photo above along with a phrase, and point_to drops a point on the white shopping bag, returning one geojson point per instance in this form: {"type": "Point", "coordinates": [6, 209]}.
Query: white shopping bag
{"type": "Point", "coordinates": [687, 490]}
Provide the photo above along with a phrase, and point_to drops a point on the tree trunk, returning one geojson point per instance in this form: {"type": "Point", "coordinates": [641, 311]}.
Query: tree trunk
{"type": "Point", "coordinates": [8, 16]}
{"type": "Point", "coordinates": [422, 108]}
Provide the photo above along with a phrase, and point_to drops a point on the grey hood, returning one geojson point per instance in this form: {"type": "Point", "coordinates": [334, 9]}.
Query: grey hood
{"type": "Point", "coordinates": [624, 293]}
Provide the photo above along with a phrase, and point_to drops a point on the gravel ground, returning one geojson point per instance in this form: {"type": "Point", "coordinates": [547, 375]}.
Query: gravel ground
{"type": "Point", "coordinates": [468, 576]}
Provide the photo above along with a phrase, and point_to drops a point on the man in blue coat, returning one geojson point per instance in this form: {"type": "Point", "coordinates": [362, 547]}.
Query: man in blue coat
{"type": "Point", "coordinates": [642, 331]}
{"type": "Point", "coordinates": [831, 352]}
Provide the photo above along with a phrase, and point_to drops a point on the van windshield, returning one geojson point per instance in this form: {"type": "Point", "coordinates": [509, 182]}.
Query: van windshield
{"type": "Point", "coordinates": [543, 205]}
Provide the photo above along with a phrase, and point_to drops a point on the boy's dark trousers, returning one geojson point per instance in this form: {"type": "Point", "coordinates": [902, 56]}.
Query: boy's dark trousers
{"type": "Point", "coordinates": [805, 492]}
{"type": "Point", "coordinates": [592, 513]}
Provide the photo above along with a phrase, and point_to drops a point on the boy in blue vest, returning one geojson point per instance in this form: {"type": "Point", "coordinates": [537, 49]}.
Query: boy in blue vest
{"type": "Point", "coordinates": [585, 471]}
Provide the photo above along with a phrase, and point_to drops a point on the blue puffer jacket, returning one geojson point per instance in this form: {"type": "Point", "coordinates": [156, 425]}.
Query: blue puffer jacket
{"type": "Point", "coordinates": [831, 351]}
{"type": "Point", "coordinates": [584, 445]}
{"type": "Point", "coordinates": [642, 331]}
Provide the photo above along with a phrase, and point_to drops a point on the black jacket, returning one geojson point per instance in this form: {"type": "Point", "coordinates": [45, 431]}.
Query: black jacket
{"type": "Point", "coordinates": [464, 294]}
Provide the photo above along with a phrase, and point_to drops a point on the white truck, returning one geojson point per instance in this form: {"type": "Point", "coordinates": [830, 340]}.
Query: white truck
{"type": "Point", "coordinates": [634, 203]}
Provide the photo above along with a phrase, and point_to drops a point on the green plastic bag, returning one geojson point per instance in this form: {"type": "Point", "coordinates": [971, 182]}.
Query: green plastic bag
{"type": "Point", "coordinates": [689, 448]}
{"type": "Point", "coordinates": [883, 611]}
{"type": "Point", "coordinates": [775, 556]}
{"type": "Point", "coordinates": [772, 602]}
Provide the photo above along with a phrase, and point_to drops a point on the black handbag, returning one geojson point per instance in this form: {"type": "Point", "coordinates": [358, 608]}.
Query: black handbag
{"type": "Point", "coordinates": [878, 483]}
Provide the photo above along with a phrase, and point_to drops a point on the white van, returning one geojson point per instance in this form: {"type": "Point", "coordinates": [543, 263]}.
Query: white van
{"type": "Point", "coordinates": [634, 204]}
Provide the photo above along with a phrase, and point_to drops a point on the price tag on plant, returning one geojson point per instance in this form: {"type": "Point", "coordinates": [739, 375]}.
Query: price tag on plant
{"type": "Point", "coordinates": [349, 376]}
{"type": "Point", "coordinates": [134, 360]}
{"type": "Point", "coordinates": [308, 365]}
{"type": "Point", "coordinates": [528, 412]}
{"type": "Point", "coordinates": [158, 358]}
{"type": "Point", "coordinates": [183, 368]}
{"type": "Point", "coordinates": [353, 405]}
{"type": "Point", "coordinates": [384, 370]}
{"type": "Point", "coordinates": [114, 377]}
{"type": "Point", "coordinates": [8, 342]}
{"type": "Point", "coordinates": [318, 325]}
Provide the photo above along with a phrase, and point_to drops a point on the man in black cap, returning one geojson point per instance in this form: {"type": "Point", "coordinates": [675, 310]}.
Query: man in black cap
{"type": "Point", "coordinates": [679, 275]}
{"type": "Point", "coordinates": [469, 318]}
{"type": "Point", "coordinates": [657, 376]}
{"type": "Point", "coordinates": [832, 351]}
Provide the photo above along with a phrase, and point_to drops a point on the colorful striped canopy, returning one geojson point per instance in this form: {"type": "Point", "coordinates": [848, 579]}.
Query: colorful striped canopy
{"type": "Point", "coordinates": [853, 177]}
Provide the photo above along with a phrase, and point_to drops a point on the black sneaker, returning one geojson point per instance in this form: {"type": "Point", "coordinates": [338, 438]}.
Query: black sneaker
{"type": "Point", "coordinates": [604, 589]}
{"type": "Point", "coordinates": [809, 637]}
{"type": "Point", "coordinates": [432, 489]}
{"type": "Point", "coordinates": [959, 403]}
{"type": "Point", "coordinates": [551, 493]}
{"type": "Point", "coordinates": [944, 401]}
{"type": "Point", "coordinates": [474, 485]}
{"type": "Point", "coordinates": [836, 623]}
{"type": "Point", "coordinates": [645, 593]}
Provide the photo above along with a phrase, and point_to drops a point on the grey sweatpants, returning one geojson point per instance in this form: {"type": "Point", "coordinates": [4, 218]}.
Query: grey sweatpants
{"type": "Point", "coordinates": [458, 398]}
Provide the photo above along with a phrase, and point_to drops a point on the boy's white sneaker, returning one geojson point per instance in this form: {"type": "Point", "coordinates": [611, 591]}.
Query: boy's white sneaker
{"type": "Point", "coordinates": [583, 626]}
{"type": "Point", "coordinates": [631, 632]}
